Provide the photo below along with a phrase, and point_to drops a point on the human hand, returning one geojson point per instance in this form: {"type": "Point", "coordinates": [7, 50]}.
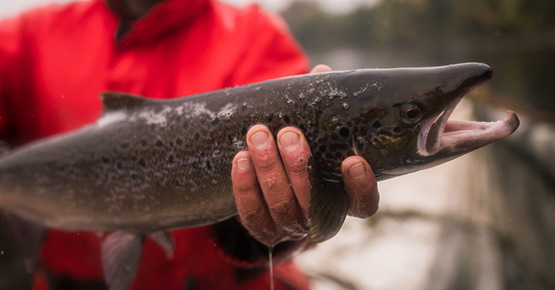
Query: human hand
{"type": "Point", "coordinates": [272, 188]}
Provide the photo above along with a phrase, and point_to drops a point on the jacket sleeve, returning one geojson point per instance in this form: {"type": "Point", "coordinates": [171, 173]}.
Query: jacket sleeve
{"type": "Point", "coordinates": [270, 52]}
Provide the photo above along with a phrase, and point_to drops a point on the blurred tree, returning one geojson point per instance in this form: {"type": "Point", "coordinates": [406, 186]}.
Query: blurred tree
{"type": "Point", "coordinates": [410, 21]}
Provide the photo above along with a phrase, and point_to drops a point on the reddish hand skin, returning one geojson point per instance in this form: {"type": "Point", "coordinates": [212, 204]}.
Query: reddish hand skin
{"type": "Point", "coordinates": [272, 189]}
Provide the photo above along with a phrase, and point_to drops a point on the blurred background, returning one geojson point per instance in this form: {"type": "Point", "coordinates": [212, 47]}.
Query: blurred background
{"type": "Point", "coordinates": [484, 221]}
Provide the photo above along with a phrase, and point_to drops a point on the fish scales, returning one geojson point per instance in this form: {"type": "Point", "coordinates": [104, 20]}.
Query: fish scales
{"type": "Point", "coordinates": [154, 159]}
{"type": "Point", "coordinates": [151, 165]}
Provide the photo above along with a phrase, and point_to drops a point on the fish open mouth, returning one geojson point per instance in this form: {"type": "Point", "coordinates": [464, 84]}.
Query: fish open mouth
{"type": "Point", "coordinates": [455, 137]}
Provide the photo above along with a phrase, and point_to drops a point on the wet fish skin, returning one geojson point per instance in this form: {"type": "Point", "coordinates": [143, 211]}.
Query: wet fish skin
{"type": "Point", "coordinates": [148, 166]}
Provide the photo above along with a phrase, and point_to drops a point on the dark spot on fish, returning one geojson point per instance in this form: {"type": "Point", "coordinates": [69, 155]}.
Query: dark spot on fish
{"type": "Point", "coordinates": [317, 155]}
{"type": "Point", "coordinates": [171, 159]}
{"type": "Point", "coordinates": [197, 136]}
{"type": "Point", "coordinates": [124, 145]}
{"type": "Point", "coordinates": [287, 119]}
{"type": "Point", "coordinates": [119, 165]}
{"type": "Point", "coordinates": [397, 130]}
{"type": "Point", "coordinates": [144, 142]}
{"type": "Point", "coordinates": [334, 136]}
{"type": "Point", "coordinates": [338, 147]}
{"type": "Point", "coordinates": [159, 143]}
{"type": "Point", "coordinates": [376, 124]}
{"type": "Point", "coordinates": [344, 132]}
{"type": "Point", "coordinates": [244, 131]}
{"type": "Point", "coordinates": [115, 150]}
{"type": "Point", "coordinates": [179, 141]}
{"type": "Point", "coordinates": [363, 131]}
{"type": "Point", "coordinates": [303, 127]}
{"type": "Point", "coordinates": [322, 148]}
{"type": "Point", "coordinates": [105, 160]}
{"type": "Point", "coordinates": [209, 165]}
{"type": "Point", "coordinates": [142, 162]}
{"type": "Point", "coordinates": [270, 117]}
{"type": "Point", "coordinates": [216, 121]}
{"type": "Point", "coordinates": [185, 125]}
{"type": "Point", "coordinates": [305, 106]}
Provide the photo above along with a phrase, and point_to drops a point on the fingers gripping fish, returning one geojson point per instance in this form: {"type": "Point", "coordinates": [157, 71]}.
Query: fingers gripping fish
{"type": "Point", "coordinates": [149, 166]}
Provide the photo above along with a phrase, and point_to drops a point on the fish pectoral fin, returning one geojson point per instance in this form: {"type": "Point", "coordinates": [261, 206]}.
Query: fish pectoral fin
{"type": "Point", "coordinates": [121, 254]}
{"type": "Point", "coordinates": [329, 204]}
{"type": "Point", "coordinates": [165, 241]}
{"type": "Point", "coordinates": [30, 237]}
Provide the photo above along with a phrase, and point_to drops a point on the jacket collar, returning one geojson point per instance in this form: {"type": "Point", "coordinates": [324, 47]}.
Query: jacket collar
{"type": "Point", "coordinates": [160, 18]}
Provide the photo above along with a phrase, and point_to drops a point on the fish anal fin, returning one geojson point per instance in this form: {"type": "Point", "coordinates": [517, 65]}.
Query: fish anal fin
{"type": "Point", "coordinates": [121, 255]}
{"type": "Point", "coordinates": [30, 237]}
{"type": "Point", "coordinates": [165, 241]}
{"type": "Point", "coordinates": [115, 101]}
{"type": "Point", "coordinates": [329, 204]}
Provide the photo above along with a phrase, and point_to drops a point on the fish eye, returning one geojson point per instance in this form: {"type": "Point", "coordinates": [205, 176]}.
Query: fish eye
{"type": "Point", "coordinates": [411, 113]}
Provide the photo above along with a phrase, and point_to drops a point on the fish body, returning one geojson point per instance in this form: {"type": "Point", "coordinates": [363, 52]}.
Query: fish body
{"type": "Point", "coordinates": [148, 166]}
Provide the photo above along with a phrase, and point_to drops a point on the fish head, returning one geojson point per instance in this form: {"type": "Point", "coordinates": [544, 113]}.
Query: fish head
{"type": "Point", "coordinates": [409, 128]}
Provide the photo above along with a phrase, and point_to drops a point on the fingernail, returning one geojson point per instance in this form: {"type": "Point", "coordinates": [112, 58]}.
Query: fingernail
{"type": "Point", "coordinates": [243, 164]}
{"type": "Point", "coordinates": [289, 141]}
{"type": "Point", "coordinates": [259, 140]}
{"type": "Point", "coordinates": [357, 171]}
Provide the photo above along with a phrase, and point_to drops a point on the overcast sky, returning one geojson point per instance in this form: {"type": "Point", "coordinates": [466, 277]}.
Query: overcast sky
{"type": "Point", "coordinates": [8, 8]}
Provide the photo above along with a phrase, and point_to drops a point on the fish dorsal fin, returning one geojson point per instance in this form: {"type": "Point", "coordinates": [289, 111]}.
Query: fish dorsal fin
{"type": "Point", "coordinates": [115, 101]}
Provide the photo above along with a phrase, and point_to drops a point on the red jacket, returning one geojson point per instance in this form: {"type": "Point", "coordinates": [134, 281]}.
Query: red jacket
{"type": "Point", "coordinates": [54, 61]}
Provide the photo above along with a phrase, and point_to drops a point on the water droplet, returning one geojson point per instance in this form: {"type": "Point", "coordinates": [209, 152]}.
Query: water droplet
{"type": "Point", "coordinates": [346, 106]}
{"type": "Point", "coordinates": [1, 253]}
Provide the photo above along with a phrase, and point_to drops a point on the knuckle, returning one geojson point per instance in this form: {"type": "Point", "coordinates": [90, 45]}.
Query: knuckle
{"type": "Point", "coordinates": [283, 209]}
{"type": "Point", "coordinates": [243, 187]}
{"type": "Point", "coordinates": [266, 162]}
{"type": "Point", "coordinates": [365, 203]}
{"type": "Point", "coordinates": [251, 215]}
{"type": "Point", "coordinates": [274, 185]}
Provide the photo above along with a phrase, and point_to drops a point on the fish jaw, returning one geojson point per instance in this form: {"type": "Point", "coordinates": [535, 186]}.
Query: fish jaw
{"type": "Point", "coordinates": [444, 137]}
{"type": "Point", "coordinates": [459, 137]}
